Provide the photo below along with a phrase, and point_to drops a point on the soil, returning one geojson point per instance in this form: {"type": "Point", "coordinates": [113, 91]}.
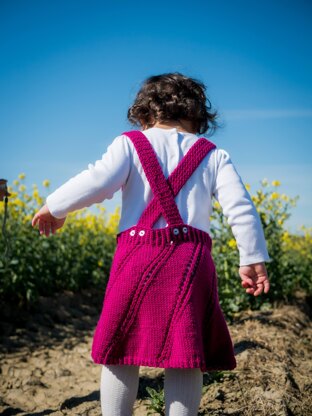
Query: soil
{"type": "Point", "coordinates": [46, 367]}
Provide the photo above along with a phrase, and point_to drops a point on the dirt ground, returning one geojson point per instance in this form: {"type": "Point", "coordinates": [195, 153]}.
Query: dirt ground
{"type": "Point", "coordinates": [46, 367]}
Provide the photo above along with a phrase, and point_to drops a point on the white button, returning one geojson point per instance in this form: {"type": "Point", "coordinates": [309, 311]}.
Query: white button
{"type": "Point", "coordinates": [175, 231]}
{"type": "Point", "coordinates": [185, 230]}
{"type": "Point", "coordinates": [132, 232]}
{"type": "Point", "coordinates": [142, 232]}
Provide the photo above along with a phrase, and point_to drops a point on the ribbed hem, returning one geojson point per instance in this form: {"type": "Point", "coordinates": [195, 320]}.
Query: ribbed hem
{"type": "Point", "coordinates": [160, 236]}
{"type": "Point", "coordinates": [195, 363]}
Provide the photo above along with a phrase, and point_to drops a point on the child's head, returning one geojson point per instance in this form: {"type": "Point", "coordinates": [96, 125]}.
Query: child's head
{"type": "Point", "coordinates": [172, 96]}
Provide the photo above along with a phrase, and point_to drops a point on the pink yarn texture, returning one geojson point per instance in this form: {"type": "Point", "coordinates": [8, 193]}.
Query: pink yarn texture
{"type": "Point", "coordinates": [161, 306]}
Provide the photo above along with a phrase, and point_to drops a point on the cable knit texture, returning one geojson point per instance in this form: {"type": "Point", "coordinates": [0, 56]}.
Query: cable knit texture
{"type": "Point", "coordinates": [161, 305]}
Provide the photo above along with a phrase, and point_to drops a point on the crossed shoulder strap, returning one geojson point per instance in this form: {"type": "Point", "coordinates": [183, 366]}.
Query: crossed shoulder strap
{"type": "Point", "coordinates": [165, 190]}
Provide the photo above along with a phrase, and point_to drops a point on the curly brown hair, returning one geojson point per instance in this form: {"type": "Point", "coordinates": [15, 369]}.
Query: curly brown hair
{"type": "Point", "coordinates": [173, 96]}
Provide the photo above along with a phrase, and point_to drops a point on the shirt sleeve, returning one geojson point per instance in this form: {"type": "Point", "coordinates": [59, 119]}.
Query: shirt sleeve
{"type": "Point", "coordinates": [100, 181]}
{"type": "Point", "coordinates": [240, 211]}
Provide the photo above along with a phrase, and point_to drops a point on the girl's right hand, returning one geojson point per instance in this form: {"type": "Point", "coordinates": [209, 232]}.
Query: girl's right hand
{"type": "Point", "coordinates": [255, 278]}
{"type": "Point", "coordinates": [47, 223]}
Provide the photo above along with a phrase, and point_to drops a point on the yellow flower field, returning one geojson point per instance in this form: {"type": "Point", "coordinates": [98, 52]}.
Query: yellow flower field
{"type": "Point", "coordinates": [79, 255]}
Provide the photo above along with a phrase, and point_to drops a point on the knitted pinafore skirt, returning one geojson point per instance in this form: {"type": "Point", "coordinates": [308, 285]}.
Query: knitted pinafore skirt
{"type": "Point", "coordinates": [161, 305]}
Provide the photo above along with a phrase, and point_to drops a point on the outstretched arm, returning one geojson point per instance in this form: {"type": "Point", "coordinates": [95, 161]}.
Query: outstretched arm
{"type": "Point", "coordinates": [100, 181]}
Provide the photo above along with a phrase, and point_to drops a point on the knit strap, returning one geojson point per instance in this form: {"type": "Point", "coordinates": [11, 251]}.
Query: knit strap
{"type": "Point", "coordinates": [178, 178]}
{"type": "Point", "coordinates": [154, 174]}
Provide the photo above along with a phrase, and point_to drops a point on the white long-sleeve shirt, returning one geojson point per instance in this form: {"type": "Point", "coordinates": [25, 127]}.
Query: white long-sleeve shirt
{"type": "Point", "coordinates": [216, 176]}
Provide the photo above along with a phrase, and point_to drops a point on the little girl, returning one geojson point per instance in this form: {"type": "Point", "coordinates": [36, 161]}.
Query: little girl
{"type": "Point", "coordinates": [161, 305]}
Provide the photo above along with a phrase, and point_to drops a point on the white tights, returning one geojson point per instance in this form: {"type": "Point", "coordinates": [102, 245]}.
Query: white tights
{"type": "Point", "coordinates": [119, 388]}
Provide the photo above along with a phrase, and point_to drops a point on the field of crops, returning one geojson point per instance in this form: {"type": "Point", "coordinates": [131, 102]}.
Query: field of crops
{"type": "Point", "coordinates": [79, 255]}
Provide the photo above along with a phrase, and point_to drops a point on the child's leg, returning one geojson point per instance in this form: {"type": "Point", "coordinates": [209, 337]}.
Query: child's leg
{"type": "Point", "coordinates": [119, 388]}
{"type": "Point", "coordinates": [183, 391]}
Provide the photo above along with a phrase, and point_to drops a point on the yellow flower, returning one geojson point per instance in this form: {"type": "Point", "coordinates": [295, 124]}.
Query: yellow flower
{"type": "Point", "coordinates": [100, 263]}
{"type": "Point", "coordinates": [82, 239]}
{"type": "Point", "coordinates": [264, 216]}
{"type": "Point", "coordinates": [276, 183]}
{"type": "Point", "coordinates": [264, 182]}
{"type": "Point", "coordinates": [22, 188]}
{"type": "Point", "coordinates": [39, 200]}
{"type": "Point", "coordinates": [22, 176]}
{"type": "Point", "coordinates": [27, 218]}
{"type": "Point", "coordinates": [19, 203]}
{"type": "Point", "coordinates": [16, 182]}
{"type": "Point", "coordinates": [274, 195]}
{"type": "Point", "coordinates": [232, 243]}
{"type": "Point", "coordinates": [216, 205]}
{"type": "Point", "coordinates": [46, 183]}
{"type": "Point", "coordinates": [36, 193]}
{"type": "Point", "coordinates": [247, 186]}
{"type": "Point", "coordinates": [286, 237]}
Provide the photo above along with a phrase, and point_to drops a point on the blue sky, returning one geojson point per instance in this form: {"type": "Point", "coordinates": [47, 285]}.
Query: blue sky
{"type": "Point", "coordinates": [69, 70]}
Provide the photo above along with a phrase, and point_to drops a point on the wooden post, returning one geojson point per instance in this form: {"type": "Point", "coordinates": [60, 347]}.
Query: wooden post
{"type": "Point", "coordinates": [3, 189]}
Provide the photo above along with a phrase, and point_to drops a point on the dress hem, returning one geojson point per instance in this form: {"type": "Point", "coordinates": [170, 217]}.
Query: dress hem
{"type": "Point", "coordinates": [163, 364]}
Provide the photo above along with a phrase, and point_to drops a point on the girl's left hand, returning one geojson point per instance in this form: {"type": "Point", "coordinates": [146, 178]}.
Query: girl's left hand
{"type": "Point", "coordinates": [255, 278]}
{"type": "Point", "coordinates": [47, 223]}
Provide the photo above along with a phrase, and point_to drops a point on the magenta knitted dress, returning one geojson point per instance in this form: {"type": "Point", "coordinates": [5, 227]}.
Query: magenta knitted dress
{"type": "Point", "coordinates": [161, 305]}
